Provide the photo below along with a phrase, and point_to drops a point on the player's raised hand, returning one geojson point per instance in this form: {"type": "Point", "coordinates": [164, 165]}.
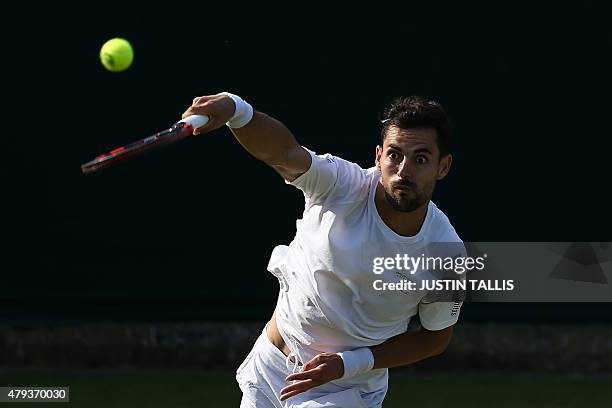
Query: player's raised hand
{"type": "Point", "coordinates": [219, 108]}
{"type": "Point", "coordinates": [321, 369]}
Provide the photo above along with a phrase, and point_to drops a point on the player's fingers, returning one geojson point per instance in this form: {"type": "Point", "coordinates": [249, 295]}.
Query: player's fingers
{"type": "Point", "coordinates": [194, 110]}
{"type": "Point", "coordinates": [200, 106]}
{"type": "Point", "coordinates": [200, 99]}
{"type": "Point", "coordinates": [186, 113]}
{"type": "Point", "coordinates": [303, 375]}
{"type": "Point", "coordinates": [294, 389]}
{"type": "Point", "coordinates": [313, 362]}
{"type": "Point", "coordinates": [212, 107]}
{"type": "Point", "coordinates": [203, 109]}
{"type": "Point", "coordinates": [212, 124]}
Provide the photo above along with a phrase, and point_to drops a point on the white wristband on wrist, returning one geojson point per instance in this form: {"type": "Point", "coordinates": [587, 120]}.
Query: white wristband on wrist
{"type": "Point", "coordinates": [357, 361]}
{"type": "Point", "coordinates": [243, 113]}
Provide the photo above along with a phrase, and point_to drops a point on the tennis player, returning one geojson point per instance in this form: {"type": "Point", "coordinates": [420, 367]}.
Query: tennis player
{"type": "Point", "coordinates": [335, 333]}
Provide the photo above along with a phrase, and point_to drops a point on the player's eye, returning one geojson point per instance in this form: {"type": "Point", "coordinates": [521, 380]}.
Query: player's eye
{"type": "Point", "coordinates": [394, 156]}
{"type": "Point", "coordinates": [421, 159]}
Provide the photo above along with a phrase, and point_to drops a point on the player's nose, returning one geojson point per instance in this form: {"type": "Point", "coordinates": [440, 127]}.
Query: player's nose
{"type": "Point", "coordinates": [404, 170]}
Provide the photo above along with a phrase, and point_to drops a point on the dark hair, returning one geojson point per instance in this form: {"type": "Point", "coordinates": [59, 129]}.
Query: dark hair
{"type": "Point", "coordinates": [415, 111]}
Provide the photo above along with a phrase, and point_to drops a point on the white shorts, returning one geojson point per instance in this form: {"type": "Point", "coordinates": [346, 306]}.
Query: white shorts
{"type": "Point", "coordinates": [262, 375]}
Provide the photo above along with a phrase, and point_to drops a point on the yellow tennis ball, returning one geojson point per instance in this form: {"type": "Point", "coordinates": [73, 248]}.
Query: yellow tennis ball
{"type": "Point", "coordinates": [116, 54]}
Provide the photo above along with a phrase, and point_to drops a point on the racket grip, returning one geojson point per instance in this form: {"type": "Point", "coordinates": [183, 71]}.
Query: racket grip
{"type": "Point", "coordinates": [195, 121]}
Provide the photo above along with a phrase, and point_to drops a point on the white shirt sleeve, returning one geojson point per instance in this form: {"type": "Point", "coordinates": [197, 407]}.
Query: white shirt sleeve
{"type": "Point", "coordinates": [327, 177]}
{"type": "Point", "coordinates": [439, 315]}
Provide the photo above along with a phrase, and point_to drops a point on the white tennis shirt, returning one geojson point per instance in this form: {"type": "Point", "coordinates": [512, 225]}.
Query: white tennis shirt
{"type": "Point", "coordinates": [327, 300]}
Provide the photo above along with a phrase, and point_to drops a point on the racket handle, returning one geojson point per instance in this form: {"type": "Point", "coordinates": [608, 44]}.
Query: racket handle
{"type": "Point", "coordinates": [195, 121]}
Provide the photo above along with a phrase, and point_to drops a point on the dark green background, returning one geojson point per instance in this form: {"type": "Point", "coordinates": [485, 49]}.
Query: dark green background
{"type": "Point", "coordinates": [186, 233]}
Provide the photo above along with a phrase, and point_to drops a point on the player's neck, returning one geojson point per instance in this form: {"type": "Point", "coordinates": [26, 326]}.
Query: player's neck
{"type": "Point", "coordinates": [402, 223]}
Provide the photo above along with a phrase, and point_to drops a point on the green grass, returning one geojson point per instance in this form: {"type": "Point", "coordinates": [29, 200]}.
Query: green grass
{"type": "Point", "coordinates": [220, 390]}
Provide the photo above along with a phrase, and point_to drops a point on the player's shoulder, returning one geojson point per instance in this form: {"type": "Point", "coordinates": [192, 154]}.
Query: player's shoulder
{"type": "Point", "coordinates": [348, 172]}
{"type": "Point", "coordinates": [331, 160]}
{"type": "Point", "coordinates": [345, 164]}
{"type": "Point", "coordinates": [441, 229]}
{"type": "Point", "coordinates": [353, 180]}
{"type": "Point", "coordinates": [344, 181]}
{"type": "Point", "coordinates": [442, 238]}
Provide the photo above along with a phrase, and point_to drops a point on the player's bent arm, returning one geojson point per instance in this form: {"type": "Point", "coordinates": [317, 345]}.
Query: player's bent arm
{"type": "Point", "coordinates": [410, 347]}
{"type": "Point", "coordinates": [270, 141]}
{"type": "Point", "coordinates": [406, 348]}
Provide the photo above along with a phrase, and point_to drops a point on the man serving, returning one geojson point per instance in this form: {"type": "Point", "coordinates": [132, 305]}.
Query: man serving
{"type": "Point", "coordinates": [333, 335]}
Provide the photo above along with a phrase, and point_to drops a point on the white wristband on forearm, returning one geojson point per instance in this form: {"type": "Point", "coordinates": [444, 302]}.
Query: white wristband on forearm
{"type": "Point", "coordinates": [243, 113]}
{"type": "Point", "coordinates": [357, 361]}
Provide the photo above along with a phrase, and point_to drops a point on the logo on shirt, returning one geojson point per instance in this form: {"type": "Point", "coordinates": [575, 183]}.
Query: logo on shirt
{"type": "Point", "coordinates": [455, 309]}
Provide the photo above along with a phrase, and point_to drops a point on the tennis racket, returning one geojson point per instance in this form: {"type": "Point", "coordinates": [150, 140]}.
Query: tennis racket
{"type": "Point", "coordinates": [180, 130]}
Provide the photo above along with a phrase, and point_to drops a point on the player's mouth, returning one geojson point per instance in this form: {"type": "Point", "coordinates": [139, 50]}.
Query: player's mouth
{"type": "Point", "coordinates": [403, 188]}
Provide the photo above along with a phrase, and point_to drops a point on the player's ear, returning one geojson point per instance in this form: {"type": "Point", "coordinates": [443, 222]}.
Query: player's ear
{"type": "Point", "coordinates": [378, 156]}
{"type": "Point", "coordinates": [444, 166]}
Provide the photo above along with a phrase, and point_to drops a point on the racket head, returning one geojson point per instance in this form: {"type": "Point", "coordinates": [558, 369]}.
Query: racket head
{"type": "Point", "coordinates": [178, 131]}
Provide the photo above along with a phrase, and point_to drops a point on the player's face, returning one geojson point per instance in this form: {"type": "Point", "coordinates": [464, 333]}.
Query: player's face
{"type": "Point", "coordinates": [410, 166]}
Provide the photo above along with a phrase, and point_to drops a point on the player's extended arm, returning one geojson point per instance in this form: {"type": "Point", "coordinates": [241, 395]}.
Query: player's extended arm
{"type": "Point", "coordinates": [271, 142]}
{"type": "Point", "coordinates": [266, 138]}
{"type": "Point", "coordinates": [406, 348]}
